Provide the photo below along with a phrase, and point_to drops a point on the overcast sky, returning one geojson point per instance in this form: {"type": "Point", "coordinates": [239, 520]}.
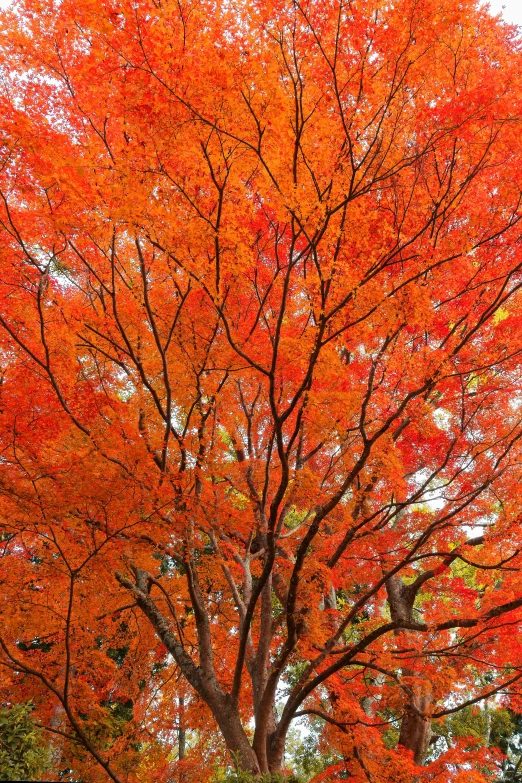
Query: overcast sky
{"type": "Point", "coordinates": [511, 9]}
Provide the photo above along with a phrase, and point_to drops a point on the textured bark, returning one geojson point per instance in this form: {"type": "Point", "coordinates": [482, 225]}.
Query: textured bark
{"type": "Point", "coordinates": [415, 733]}
{"type": "Point", "coordinates": [416, 727]}
{"type": "Point", "coordinates": [263, 701]}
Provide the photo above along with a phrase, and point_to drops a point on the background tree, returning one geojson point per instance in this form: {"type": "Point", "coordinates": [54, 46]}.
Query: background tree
{"type": "Point", "coordinates": [23, 753]}
{"type": "Point", "coordinates": [261, 379]}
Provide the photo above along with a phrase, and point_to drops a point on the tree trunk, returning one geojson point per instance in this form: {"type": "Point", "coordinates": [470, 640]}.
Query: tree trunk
{"type": "Point", "coordinates": [238, 744]}
{"type": "Point", "coordinates": [415, 731]}
{"type": "Point", "coordinates": [276, 751]}
{"type": "Point", "coordinates": [202, 677]}
{"type": "Point", "coordinates": [416, 728]}
{"type": "Point", "coordinates": [181, 730]}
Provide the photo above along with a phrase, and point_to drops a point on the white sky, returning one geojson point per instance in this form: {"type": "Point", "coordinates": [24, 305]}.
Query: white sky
{"type": "Point", "coordinates": [511, 10]}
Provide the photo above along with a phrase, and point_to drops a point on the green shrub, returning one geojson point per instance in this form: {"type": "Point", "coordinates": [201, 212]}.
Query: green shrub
{"type": "Point", "coordinates": [23, 755]}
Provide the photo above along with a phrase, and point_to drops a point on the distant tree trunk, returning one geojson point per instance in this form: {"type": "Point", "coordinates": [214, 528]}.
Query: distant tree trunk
{"type": "Point", "coordinates": [181, 730]}
{"type": "Point", "coordinates": [182, 735]}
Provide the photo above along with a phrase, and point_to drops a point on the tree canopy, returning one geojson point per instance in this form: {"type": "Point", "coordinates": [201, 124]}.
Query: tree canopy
{"type": "Point", "coordinates": [261, 385]}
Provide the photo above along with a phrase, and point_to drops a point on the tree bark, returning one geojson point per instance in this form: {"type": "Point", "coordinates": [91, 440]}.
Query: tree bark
{"type": "Point", "coordinates": [201, 678]}
{"type": "Point", "coordinates": [416, 726]}
{"type": "Point", "coordinates": [415, 733]}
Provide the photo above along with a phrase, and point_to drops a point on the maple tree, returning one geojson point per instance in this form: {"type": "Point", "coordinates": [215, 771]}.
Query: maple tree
{"type": "Point", "coordinates": [261, 354]}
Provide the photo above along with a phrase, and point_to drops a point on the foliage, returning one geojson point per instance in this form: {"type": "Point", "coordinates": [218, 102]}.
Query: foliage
{"type": "Point", "coordinates": [305, 754]}
{"type": "Point", "coordinates": [492, 726]}
{"type": "Point", "coordinates": [239, 776]}
{"type": "Point", "coordinates": [23, 754]}
{"type": "Point", "coordinates": [261, 387]}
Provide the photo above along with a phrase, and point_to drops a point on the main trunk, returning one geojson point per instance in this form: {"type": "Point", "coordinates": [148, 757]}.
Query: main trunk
{"type": "Point", "coordinates": [415, 731]}
{"type": "Point", "coordinates": [237, 742]}
{"type": "Point", "coordinates": [416, 727]}
{"type": "Point", "coordinates": [266, 755]}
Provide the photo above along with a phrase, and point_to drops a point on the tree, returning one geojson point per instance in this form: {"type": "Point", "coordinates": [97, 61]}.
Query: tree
{"type": "Point", "coordinates": [23, 755]}
{"type": "Point", "coordinates": [261, 380]}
